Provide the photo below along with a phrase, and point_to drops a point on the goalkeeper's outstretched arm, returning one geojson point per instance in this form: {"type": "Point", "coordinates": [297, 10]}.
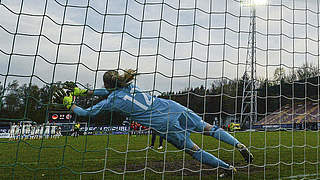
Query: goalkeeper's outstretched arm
{"type": "Point", "coordinates": [67, 99]}
{"type": "Point", "coordinates": [98, 92]}
{"type": "Point", "coordinates": [91, 111]}
{"type": "Point", "coordinates": [85, 92]}
{"type": "Point", "coordinates": [74, 90]}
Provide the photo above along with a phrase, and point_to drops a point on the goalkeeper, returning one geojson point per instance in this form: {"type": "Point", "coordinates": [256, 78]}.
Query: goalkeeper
{"type": "Point", "coordinates": [165, 116]}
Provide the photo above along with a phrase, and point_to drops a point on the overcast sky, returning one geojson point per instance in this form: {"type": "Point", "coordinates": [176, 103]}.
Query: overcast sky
{"type": "Point", "coordinates": [170, 42]}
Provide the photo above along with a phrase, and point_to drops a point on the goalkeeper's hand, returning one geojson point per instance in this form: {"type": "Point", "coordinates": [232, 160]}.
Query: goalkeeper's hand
{"type": "Point", "coordinates": [75, 91]}
{"type": "Point", "coordinates": [61, 97]}
{"type": "Point", "coordinates": [58, 94]}
{"type": "Point", "coordinates": [68, 101]}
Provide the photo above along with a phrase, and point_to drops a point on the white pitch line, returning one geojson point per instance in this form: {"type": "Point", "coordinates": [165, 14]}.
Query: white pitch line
{"type": "Point", "coordinates": [86, 160]}
{"type": "Point", "coordinates": [299, 176]}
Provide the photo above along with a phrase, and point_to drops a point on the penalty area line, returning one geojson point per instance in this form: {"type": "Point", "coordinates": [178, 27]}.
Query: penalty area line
{"type": "Point", "coordinates": [86, 160]}
{"type": "Point", "coordinates": [299, 176]}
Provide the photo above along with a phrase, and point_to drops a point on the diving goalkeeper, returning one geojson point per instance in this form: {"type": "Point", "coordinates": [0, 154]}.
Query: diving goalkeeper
{"type": "Point", "coordinates": [174, 121]}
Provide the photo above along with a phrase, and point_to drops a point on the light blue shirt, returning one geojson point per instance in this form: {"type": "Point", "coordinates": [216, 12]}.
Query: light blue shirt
{"type": "Point", "coordinates": [140, 106]}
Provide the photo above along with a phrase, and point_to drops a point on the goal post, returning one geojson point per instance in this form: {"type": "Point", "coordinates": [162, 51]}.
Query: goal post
{"type": "Point", "coordinates": [247, 66]}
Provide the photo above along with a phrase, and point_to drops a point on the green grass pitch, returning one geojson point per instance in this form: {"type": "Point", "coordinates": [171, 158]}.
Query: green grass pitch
{"type": "Point", "coordinates": [278, 155]}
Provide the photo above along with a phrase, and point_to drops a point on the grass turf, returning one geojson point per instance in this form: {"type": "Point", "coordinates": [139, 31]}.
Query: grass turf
{"type": "Point", "coordinates": [282, 154]}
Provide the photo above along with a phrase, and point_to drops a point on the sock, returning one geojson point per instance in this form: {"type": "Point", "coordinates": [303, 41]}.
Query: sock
{"type": "Point", "coordinates": [224, 136]}
{"type": "Point", "coordinates": [209, 159]}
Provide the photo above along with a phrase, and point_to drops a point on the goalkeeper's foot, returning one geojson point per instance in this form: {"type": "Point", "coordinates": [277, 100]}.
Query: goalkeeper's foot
{"type": "Point", "coordinates": [228, 172]}
{"type": "Point", "coordinates": [244, 151]}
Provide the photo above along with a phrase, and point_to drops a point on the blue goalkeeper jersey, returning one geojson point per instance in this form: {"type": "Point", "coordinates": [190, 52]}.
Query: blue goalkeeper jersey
{"type": "Point", "coordinates": [140, 106]}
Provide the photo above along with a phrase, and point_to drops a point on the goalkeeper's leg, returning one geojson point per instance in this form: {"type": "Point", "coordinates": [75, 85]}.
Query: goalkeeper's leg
{"type": "Point", "coordinates": [209, 159]}
{"type": "Point", "coordinates": [182, 141]}
{"type": "Point", "coordinates": [192, 121]}
{"type": "Point", "coordinates": [224, 136]}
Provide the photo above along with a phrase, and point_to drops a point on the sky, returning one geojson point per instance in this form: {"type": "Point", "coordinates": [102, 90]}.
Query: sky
{"type": "Point", "coordinates": [173, 44]}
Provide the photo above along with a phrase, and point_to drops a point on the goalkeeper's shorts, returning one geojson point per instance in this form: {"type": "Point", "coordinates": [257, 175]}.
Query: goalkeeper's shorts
{"type": "Point", "coordinates": [179, 131]}
{"type": "Point", "coordinates": [191, 122]}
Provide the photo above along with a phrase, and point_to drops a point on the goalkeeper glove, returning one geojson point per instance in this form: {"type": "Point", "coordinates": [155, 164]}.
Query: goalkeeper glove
{"type": "Point", "coordinates": [58, 94]}
{"type": "Point", "coordinates": [79, 92]}
{"type": "Point", "coordinates": [68, 101]}
{"type": "Point", "coordinates": [75, 91]}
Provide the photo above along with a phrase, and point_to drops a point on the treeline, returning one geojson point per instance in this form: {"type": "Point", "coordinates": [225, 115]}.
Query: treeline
{"type": "Point", "coordinates": [225, 97]}
{"type": "Point", "coordinates": [222, 98]}
{"type": "Point", "coordinates": [23, 102]}
{"type": "Point", "coordinates": [32, 103]}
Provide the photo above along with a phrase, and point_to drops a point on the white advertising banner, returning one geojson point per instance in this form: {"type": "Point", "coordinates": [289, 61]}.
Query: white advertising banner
{"type": "Point", "coordinates": [4, 135]}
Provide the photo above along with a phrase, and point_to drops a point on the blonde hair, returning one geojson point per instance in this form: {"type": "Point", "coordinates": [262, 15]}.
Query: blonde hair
{"type": "Point", "coordinates": [114, 80]}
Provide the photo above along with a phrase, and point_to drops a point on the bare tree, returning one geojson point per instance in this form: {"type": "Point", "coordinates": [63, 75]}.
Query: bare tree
{"type": "Point", "coordinates": [307, 70]}
{"type": "Point", "coordinates": [279, 75]}
{"type": "Point", "coordinates": [1, 96]}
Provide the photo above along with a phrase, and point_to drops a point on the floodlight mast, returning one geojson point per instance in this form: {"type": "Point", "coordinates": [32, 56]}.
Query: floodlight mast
{"type": "Point", "coordinates": [249, 114]}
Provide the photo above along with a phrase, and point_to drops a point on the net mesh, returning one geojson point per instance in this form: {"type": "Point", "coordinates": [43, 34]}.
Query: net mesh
{"type": "Point", "coordinates": [193, 52]}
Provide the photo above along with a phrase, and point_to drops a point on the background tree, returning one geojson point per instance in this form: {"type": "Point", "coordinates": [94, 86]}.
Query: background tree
{"type": "Point", "coordinates": [1, 96]}
{"type": "Point", "coordinates": [307, 70]}
{"type": "Point", "coordinates": [1, 89]}
{"type": "Point", "coordinates": [223, 97]}
{"type": "Point", "coordinates": [12, 100]}
{"type": "Point", "coordinates": [279, 75]}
